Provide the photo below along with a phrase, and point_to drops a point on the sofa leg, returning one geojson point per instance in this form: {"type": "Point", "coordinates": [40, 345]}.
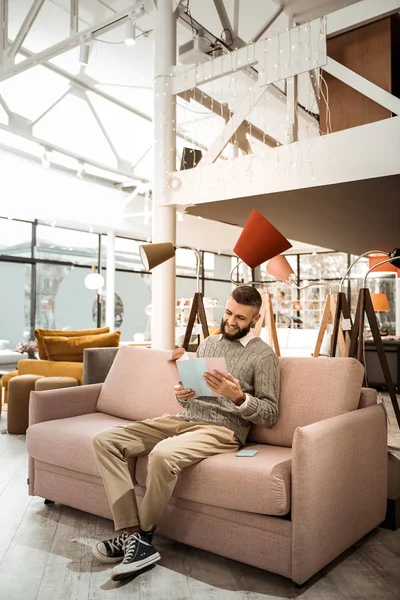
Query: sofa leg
{"type": "Point", "coordinates": [48, 501]}
{"type": "Point", "coordinates": [392, 519]}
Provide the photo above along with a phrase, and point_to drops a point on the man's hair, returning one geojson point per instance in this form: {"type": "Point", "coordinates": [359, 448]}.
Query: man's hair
{"type": "Point", "coordinates": [247, 295]}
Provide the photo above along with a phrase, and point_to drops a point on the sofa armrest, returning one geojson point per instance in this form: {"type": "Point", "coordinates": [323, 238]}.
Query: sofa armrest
{"type": "Point", "coordinates": [63, 403]}
{"type": "Point", "coordinates": [368, 397]}
{"type": "Point", "coordinates": [6, 378]}
{"type": "Point", "coordinates": [339, 484]}
{"type": "Point", "coordinates": [51, 368]}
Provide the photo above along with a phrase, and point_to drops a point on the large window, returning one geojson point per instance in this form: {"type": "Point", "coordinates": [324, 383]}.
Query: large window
{"type": "Point", "coordinates": [15, 303]}
{"type": "Point", "coordinates": [15, 238]}
{"type": "Point", "coordinates": [67, 245]}
{"type": "Point", "coordinates": [63, 257]}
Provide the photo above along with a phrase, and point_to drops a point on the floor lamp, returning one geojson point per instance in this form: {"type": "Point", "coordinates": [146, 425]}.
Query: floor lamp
{"type": "Point", "coordinates": [365, 307]}
{"type": "Point", "coordinates": [279, 268]}
{"type": "Point", "coordinates": [342, 313]}
{"type": "Point", "coordinates": [153, 255]}
{"type": "Point", "coordinates": [260, 241]}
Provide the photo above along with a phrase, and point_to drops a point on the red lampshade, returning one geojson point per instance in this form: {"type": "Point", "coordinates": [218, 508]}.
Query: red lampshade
{"type": "Point", "coordinates": [374, 259]}
{"type": "Point", "coordinates": [380, 302]}
{"type": "Point", "coordinates": [279, 268]}
{"type": "Point", "coordinates": [259, 241]}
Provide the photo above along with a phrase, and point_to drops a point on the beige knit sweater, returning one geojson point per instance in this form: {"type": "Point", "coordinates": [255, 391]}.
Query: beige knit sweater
{"type": "Point", "coordinates": [256, 366]}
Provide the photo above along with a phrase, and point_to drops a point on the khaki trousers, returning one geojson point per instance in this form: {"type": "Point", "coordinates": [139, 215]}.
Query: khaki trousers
{"type": "Point", "coordinates": [172, 445]}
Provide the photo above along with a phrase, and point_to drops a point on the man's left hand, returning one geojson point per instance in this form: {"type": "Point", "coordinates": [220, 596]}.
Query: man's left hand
{"type": "Point", "coordinates": [224, 385]}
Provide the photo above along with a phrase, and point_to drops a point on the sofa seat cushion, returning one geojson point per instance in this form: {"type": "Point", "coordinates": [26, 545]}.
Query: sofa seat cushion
{"type": "Point", "coordinates": [257, 484]}
{"type": "Point", "coordinates": [67, 443]}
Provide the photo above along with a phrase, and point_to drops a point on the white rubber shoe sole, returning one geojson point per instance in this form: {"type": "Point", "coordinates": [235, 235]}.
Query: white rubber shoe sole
{"type": "Point", "coordinates": [104, 558]}
{"type": "Point", "coordinates": [122, 571]}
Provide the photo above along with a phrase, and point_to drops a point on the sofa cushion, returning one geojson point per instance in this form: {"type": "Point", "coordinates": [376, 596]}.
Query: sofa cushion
{"type": "Point", "coordinates": [258, 484]}
{"type": "Point", "coordinates": [312, 389]}
{"type": "Point", "coordinates": [140, 385]}
{"type": "Point", "coordinates": [61, 348]}
{"type": "Point", "coordinates": [67, 443]}
{"type": "Point", "coordinates": [40, 333]}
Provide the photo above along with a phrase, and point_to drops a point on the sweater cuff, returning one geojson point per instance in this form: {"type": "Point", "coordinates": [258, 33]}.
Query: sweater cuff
{"type": "Point", "coordinates": [244, 403]}
{"type": "Point", "coordinates": [249, 407]}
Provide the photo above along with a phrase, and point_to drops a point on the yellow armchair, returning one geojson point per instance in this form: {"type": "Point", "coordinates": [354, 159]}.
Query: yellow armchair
{"type": "Point", "coordinates": [47, 368]}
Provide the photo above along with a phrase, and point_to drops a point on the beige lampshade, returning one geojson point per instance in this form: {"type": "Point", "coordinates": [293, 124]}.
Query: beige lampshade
{"type": "Point", "coordinates": [153, 255]}
{"type": "Point", "coordinates": [279, 268]}
{"type": "Point", "coordinates": [380, 302]}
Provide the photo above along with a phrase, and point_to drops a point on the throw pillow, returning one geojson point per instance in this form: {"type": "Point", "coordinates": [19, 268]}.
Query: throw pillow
{"type": "Point", "coordinates": [41, 333]}
{"type": "Point", "coordinates": [71, 349]}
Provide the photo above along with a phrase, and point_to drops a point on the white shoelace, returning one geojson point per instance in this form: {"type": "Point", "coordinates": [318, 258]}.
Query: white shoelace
{"type": "Point", "coordinates": [131, 545]}
{"type": "Point", "coordinates": [118, 543]}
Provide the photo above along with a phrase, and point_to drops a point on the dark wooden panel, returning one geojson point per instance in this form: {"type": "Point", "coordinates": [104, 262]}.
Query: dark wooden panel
{"type": "Point", "coordinates": [367, 51]}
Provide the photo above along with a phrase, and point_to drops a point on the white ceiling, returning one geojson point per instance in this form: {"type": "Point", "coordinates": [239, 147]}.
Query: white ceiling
{"type": "Point", "coordinates": [126, 73]}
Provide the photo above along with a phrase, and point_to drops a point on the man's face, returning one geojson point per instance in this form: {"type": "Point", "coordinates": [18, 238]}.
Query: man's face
{"type": "Point", "coordinates": [237, 320]}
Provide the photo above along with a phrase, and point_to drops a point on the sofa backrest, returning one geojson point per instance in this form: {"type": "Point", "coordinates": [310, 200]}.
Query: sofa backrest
{"type": "Point", "coordinates": [312, 389]}
{"type": "Point", "coordinates": [140, 384]}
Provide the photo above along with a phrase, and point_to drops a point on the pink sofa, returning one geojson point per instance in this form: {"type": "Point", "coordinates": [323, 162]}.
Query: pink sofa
{"type": "Point", "coordinates": [316, 486]}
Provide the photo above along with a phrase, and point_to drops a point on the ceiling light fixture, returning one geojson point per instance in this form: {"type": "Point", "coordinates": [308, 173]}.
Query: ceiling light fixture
{"type": "Point", "coordinates": [130, 33]}
{"type": "Point", "coordinates": [81, 172]}
{"type": "Point", "coordinates": [84, 54]}
{"type": "Point", "coordinates": [46, 159]}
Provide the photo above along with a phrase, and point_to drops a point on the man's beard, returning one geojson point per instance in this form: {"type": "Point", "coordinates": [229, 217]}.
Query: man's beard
{"type": "Point", "coordinates": [241, 333]}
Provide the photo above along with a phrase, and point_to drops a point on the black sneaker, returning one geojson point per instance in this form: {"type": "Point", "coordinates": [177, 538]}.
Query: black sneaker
{"type": "Point", "coordinates": [138, 554]}
{"type": "Point", "coordinates": [111, 551]}
{"type": "Point", "coordinates": [148, 535]}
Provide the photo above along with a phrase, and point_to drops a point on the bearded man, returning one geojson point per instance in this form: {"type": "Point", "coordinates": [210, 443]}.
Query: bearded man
{"type": "Point", "coordinates": [207, 425]}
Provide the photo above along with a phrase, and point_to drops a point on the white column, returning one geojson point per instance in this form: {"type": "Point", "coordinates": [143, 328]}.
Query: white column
{"type": "Point", "coordinates": [110, 281]}
{"type": "Point", "coordinates": [164, 147]}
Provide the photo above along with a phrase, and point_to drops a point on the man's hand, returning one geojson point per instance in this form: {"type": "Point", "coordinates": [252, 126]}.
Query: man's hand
{"type": "Point", "coordinates": [224, 385]}
{"type": "Point", "coordinates": [177, 353]}
{"type": "Point", "coordinates": [182, 393]}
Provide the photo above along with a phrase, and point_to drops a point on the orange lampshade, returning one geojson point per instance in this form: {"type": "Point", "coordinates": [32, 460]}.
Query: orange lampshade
{"type": "Point", "coordinates": [380, 302]}
{"type": "Point", "coordinates": [374, 259]}
{"type": "Point", "coordinates": [279, 268]}
{"type": "Point", "coordinates": [259, 241]}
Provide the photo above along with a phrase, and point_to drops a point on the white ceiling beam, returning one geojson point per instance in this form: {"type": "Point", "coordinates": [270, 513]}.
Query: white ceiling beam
{"type": "Point", "coordinates": [236, 8]}
{"type": "Point", "coordinates": [102, 128]}
{"type": "Point", "coordinates": [364, 86]}
{"type": "Point", "coordinates": [52, 105]}
{"type": "Point", "coordinates": [5, 106]}
{"type": "Point", "coordinates": [79, 157]}
{"type": "Point", "coordinates": [359, 14]}
{"type": "Point", "coordinates": [74, 16]}
{"type": "Point", "coordinates": [223, 15]}
{"type": "Point", "coordinates": [25, 27]}
{"type": "Point", "coordinates": [232, 126]}
{"type": "Point", "coordinates": [266, 25]}
{"type": "Point", "coordinates": [3, 29]}
{"type": "Point", "coordinates": [137, 10]}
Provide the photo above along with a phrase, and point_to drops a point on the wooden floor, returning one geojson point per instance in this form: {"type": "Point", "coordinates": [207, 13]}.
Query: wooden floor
{"type": "Point", "coordinates": [45, 554]}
